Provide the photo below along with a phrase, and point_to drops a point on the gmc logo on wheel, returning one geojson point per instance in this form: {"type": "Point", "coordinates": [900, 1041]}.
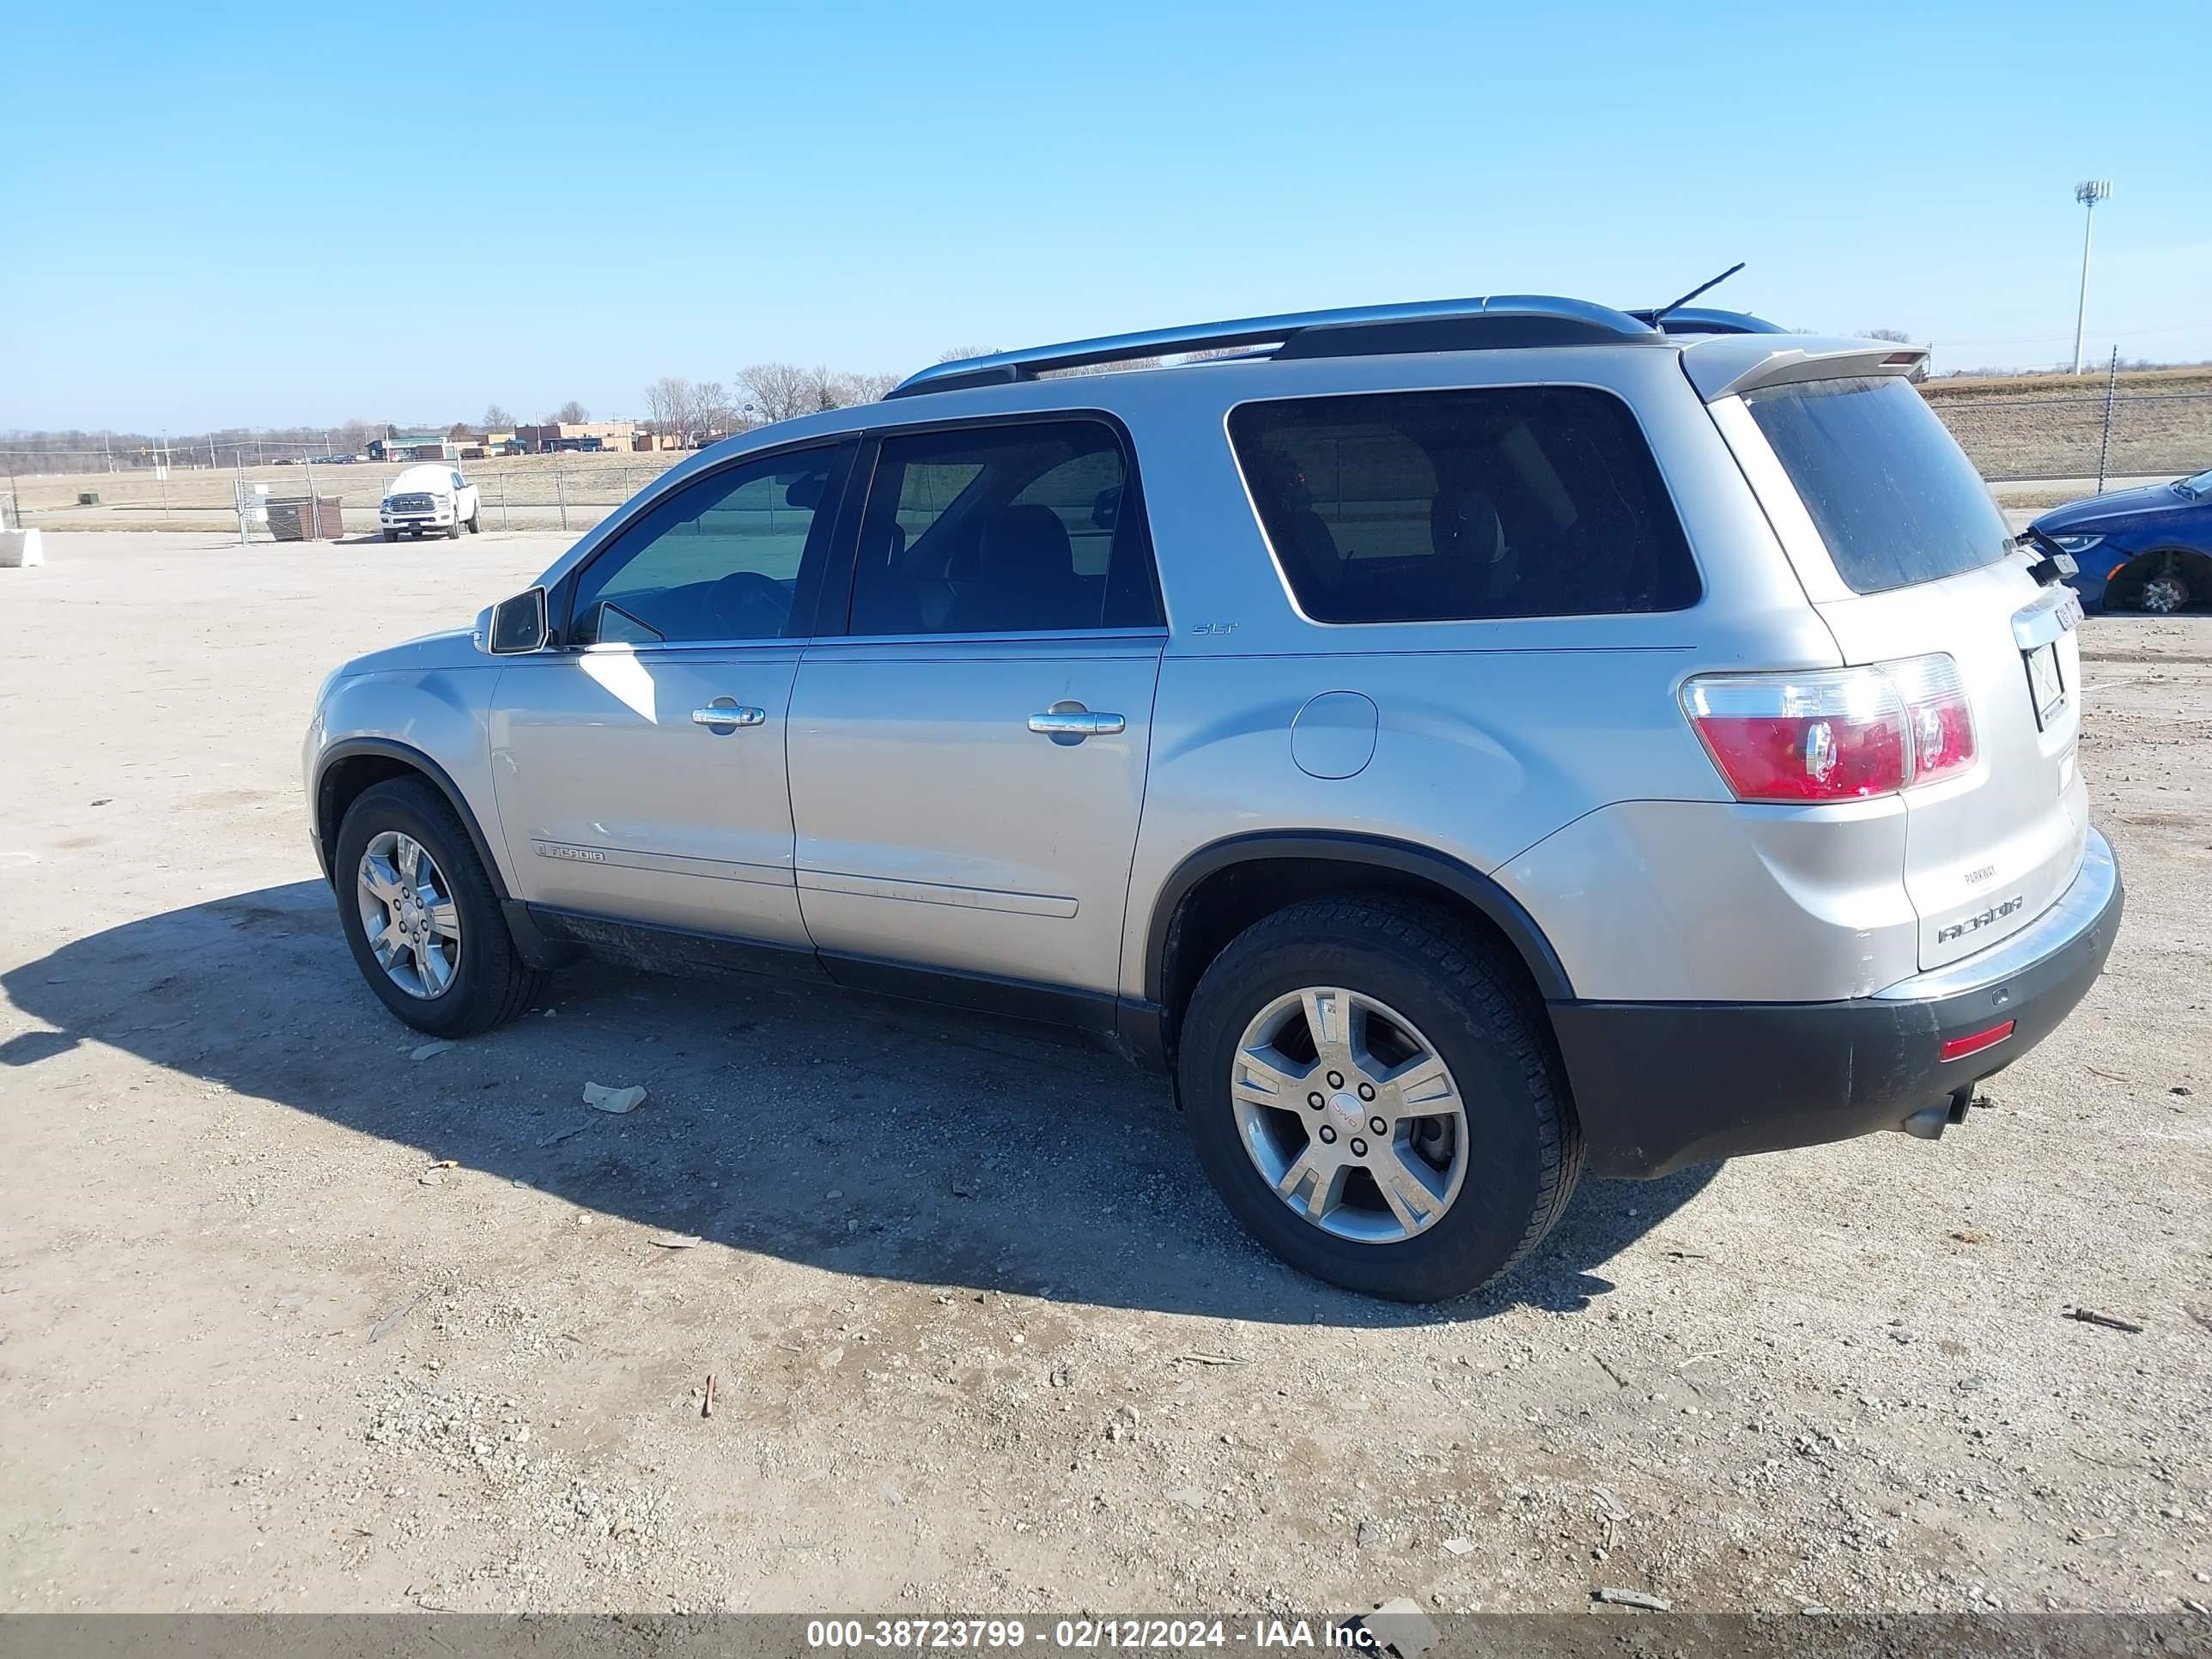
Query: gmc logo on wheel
{"type": "Point", "coordinates": [1966, 925]}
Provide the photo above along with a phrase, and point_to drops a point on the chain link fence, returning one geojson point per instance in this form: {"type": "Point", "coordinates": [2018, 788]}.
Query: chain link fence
{"type": "Point", "coordinates": [2094, 436]}
{"type": "Point", "coordinates": [567, 492]}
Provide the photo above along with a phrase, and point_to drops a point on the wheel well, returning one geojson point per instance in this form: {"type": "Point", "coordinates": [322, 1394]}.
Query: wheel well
{"type": "Point", "coordinates": [1224, 903]}
{"type": "Point", "coordinates": [2196, 564]}
{"type": "Point", "coordinates": [346, 778]}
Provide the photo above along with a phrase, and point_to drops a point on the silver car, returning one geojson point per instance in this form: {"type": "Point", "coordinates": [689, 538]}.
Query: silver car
{"type": "Point", "coordinates": [1456, 745]}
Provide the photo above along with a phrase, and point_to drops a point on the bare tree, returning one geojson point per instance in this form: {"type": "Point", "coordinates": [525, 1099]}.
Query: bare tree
{"type": "Point", "coordinates": [778, 390]}
{"type": "Point", "coordinates": [1896, 334]}
{"type": "Point", "coordinates": [668, 407]}
{"type": "Point", "coordinates": [571, 413]}
{"type": "Point", "coordinates": [960, 354]}
{"type": "Point", "coordinates": [841, 388]}
{"type": "Point", "coordinates": [711, 414]}
{"type": "Point", "coordinates": [496, 419]}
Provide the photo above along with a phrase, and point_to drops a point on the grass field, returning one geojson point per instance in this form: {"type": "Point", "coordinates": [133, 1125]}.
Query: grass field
{"type": "Point", "coordinates": [2050, 426]}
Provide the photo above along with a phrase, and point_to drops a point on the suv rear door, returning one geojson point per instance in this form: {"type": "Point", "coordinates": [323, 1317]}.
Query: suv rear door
{"type": "Point", "coordinates": [968, 762]}
{"type": "Point", "coordinates": [1904, 554]}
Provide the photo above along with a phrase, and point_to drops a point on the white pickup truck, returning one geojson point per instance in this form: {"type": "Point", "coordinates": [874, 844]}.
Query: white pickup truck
{"type": "Point", "coordinates": [427, 498]}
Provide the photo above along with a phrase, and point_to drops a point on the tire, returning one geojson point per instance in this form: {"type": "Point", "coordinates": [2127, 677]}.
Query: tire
{"type": "Point", "coordinates": [453, 530]}
{"type": "Point", "coordinates": [476, 522]}
{"type": "Point", "coordinates": [491, 983]}
{"type": "Point", "coordinates": [1522, 1146]}
{"type": "Point", "coordinates": [391, 534]}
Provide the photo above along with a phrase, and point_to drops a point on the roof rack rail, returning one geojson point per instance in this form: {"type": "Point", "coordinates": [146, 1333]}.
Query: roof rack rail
{"type": "Point", "coordinates": [1502, 319]}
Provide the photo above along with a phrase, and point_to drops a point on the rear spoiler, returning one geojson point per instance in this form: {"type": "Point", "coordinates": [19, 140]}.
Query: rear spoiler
{"type": "Point", "coordinates": [1728, 365]}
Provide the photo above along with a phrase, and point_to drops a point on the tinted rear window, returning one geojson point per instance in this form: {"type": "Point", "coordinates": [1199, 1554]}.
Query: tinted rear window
{"type": "Point", "coordinates": [1444, 505]}
{"type": "Point", "coordinates": [1892, 496]}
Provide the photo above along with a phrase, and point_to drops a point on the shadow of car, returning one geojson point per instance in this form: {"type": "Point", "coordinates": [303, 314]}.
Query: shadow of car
{"type": "Point", "coordinates": [855, 1134]}
{"type": "Point", "coordinates": [2149, 549]}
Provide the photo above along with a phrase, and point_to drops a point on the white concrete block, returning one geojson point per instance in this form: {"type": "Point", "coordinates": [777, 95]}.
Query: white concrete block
{"type": "Point", "coordinates": [19, 548]}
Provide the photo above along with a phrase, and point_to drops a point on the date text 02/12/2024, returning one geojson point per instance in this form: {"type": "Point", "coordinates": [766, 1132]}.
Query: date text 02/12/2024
{"type": "Point", "coordinates": [1091, 1633]}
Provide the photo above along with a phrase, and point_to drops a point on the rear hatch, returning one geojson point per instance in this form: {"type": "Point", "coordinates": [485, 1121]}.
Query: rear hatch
{"type": "Point", "coordinates": [1906, 556]}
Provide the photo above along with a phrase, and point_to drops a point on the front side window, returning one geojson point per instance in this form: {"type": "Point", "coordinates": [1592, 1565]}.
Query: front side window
{"type": "Point", "coordinates": [1011, 529]}
{"type": "Point", "coordinates": [1451, 506]}
{"type": "Point", "coordinates": [1893, 496]}
{"type": "Point", "coordinates": [719, 559]}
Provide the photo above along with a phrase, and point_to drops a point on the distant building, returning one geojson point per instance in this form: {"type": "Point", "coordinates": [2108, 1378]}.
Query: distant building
{"type": "Point", "coordinates": [573, 436]}
{"type": "Point", "coordinates": [414, 446]}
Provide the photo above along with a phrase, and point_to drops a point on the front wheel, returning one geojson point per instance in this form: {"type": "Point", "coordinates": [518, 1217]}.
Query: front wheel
{"type": "Point", "coordinates": [391, 534]}
{"type": "Point", "coordinates": [420, 915]}
{"type": "Point", "coordinates": [2161, 581]}
{"type": "Point", "coordinates": [476, 522]}
{"type": "Point", "coordinates": [1374, 1094]}
{"type": "Point", "coordinates": [453, 530]}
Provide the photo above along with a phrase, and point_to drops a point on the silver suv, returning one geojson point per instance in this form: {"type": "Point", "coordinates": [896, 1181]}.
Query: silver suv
{"type": "Point", "coordinates": [1456, 743]}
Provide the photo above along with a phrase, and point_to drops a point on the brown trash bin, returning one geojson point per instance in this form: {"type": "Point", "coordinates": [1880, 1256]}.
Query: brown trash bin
{"type": "Point", "coordinates": [305, 519]}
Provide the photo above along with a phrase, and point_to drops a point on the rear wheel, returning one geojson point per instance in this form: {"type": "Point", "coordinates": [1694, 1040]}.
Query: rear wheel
{"type": "Point", "coordinates": [1374, 1094]}
{"type": "Point", "coordinates": [420, 915]}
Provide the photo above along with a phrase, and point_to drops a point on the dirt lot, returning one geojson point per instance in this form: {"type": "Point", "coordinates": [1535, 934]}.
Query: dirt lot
{"type": "Point", "coordinates": [982, 1336]}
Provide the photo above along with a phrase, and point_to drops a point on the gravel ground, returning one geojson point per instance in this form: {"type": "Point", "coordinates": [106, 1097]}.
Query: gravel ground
{"type": "Point", "coordinates": [981, 1336]}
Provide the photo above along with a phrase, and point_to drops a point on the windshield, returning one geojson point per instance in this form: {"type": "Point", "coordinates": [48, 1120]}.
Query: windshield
{"type": "Point", "coordinates": [1890, 492]}
{"type": "Point", "coordinates": [2196, 487]}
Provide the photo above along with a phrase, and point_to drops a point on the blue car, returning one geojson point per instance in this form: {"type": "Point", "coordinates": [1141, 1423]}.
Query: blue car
{"type": "Point", "coordinates": [2137, 549]}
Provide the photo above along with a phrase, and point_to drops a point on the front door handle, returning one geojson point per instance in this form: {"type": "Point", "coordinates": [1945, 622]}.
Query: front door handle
{"type": "Point", "coordinates": [728, 715]}
{"type": "Point", "coordinates": [1071, 722]}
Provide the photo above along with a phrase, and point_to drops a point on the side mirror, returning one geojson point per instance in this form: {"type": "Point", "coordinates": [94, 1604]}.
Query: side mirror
{"type": "Point", "coordinates": [513, 627]}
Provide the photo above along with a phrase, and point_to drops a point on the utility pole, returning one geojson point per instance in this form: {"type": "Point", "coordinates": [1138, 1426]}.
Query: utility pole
{"type": "Point", "coordinates": [2105, 443]}
{"type": "Point", "coordinates": [2089, 193]}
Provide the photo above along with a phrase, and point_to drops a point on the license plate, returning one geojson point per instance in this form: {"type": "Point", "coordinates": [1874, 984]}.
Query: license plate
{"type": "Point", "coordinates": [2044, 684]}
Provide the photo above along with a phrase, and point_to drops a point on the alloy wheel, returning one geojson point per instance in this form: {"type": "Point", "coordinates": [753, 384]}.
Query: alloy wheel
{"type": "Point", "coordinates": [1350, 1114]}
{"type": "Point", "coordinates": [2164, 593]}
{"type": "Point", "coordinates": [407, 915]}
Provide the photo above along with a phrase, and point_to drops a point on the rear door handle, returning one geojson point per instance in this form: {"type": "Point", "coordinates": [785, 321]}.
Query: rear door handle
{"type": "Point", "coordinates": [730, 714]}
{"type": "Point", "coordinates": [1071, 722]}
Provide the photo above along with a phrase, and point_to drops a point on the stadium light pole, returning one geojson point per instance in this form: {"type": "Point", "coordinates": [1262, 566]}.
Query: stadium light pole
{"type": "Point", "coordinates": [2089, 193]}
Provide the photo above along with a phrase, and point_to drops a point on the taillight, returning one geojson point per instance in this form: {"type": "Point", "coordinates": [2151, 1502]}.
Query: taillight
{"type": "Point", "coordinates": [1936, 711]}
{"type": "Point", "coordinates": [1833, 734]}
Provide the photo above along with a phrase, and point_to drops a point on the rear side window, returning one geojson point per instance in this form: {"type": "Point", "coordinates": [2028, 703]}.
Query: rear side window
{"type": "Point", "coordinates": [1019, 528]}
{"type": "Point", "coordinates": [1445, 506]}
{"type": "Point", "coordinates": [1892, 494]}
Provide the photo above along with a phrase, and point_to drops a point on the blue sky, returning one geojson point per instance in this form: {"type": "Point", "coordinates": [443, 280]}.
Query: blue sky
{"type": "Point", "coordinates": [261, 215]}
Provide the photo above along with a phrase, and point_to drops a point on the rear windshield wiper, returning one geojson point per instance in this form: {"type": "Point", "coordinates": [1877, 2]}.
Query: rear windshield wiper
{"type": "Point", "coordinates": [2056, 564]}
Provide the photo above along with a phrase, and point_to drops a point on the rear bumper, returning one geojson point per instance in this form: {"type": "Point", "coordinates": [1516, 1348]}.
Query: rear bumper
{"type": "Point", "coordinates": [1662, 1084]}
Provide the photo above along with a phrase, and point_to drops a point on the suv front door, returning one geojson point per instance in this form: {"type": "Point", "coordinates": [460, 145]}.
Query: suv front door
{"type": "Point", "coordinates": [968, 762]}
{"type": "Point", "coordinates": [640, 768]}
